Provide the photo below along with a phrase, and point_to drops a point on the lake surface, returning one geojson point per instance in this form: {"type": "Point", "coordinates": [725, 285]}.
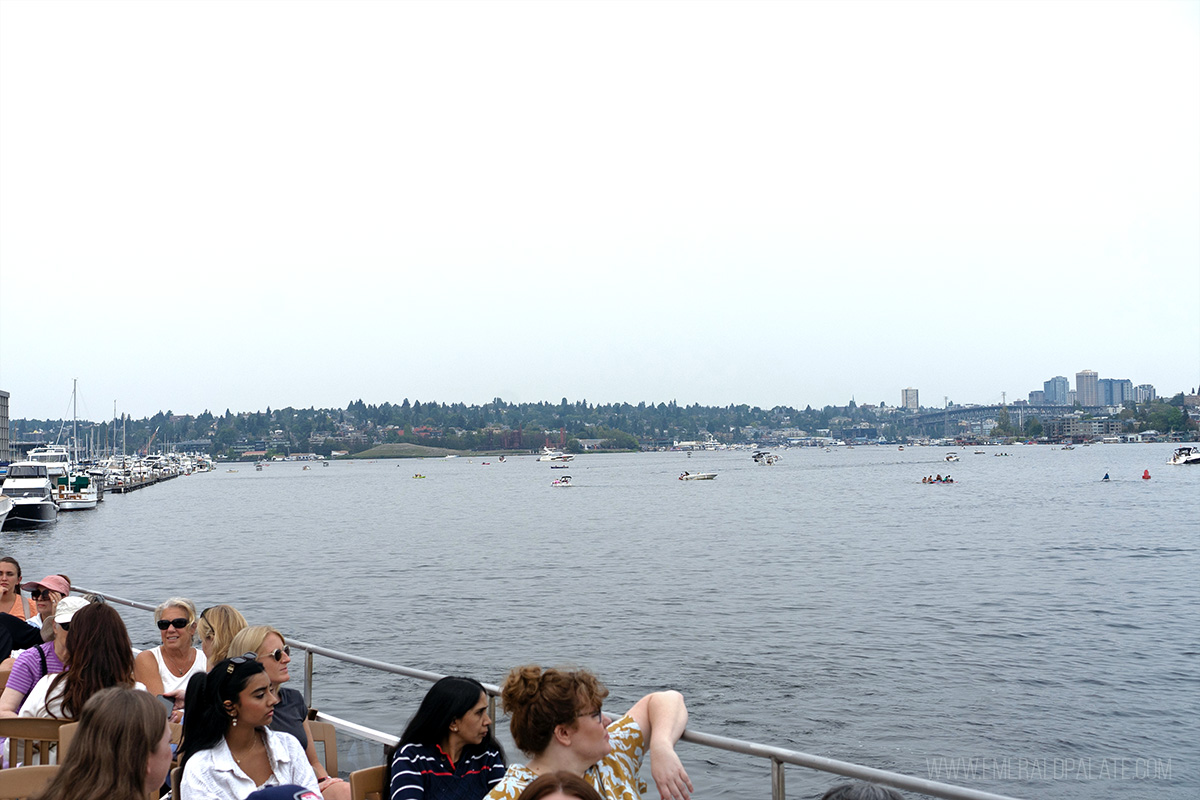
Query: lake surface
{"type": "Point", "coordinates": [1030, 626]}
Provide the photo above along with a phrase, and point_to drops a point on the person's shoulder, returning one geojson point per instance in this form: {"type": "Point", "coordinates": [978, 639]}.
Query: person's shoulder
{"type": "Point", "coordinates": [515, 779]}
{"type": "Point", "coordinates": [285, 741]}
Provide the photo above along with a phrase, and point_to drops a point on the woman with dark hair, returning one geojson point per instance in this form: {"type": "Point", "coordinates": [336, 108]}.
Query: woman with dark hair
{"type": "Point", "coordinates": [448, 750]}
{"type": "Point", "coordinates": [228, 748]}
{"type": "Point", "coordinates": [560, 786]}
{"type": "Point", "coordinates": [11, 601]}
{"type": "Point", "coordinates": [100, 655]}
{"type": "Point", "coordinates": [558, 722]}
{"type": "Point", "coordinates": [122, 749]}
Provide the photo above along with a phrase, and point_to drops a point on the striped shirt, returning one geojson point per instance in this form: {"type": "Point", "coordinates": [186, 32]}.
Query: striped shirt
{"type": "Point", "coordinates": [424, 772]}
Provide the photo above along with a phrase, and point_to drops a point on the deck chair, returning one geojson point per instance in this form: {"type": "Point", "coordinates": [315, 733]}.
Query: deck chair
{"type": "Point", "coordinates": [367, 784]}
{"type": "Point", "coordinates": [4, 673]}
{"type": "Point", "coordinates": [176, 777]}
{"type": "Point", "coordinates": [325, 738]}
{"type": "Point", "coordinates": [31, 739]}
{"type": "Point", "coordinates": [23, 782]}
{"type": "Point", "coordinates": [65, 734]}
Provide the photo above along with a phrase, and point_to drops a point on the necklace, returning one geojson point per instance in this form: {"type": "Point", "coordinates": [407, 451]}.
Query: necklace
{"type": "Point", "coordinates": [249, 752]}
{"type": "Point", "coordinates": [177, 670]}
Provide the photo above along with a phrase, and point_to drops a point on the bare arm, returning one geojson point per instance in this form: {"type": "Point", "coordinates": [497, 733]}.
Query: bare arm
{"type": "Point", "coordinates": [10, 703]}
{"type": "Point", "coordinates": [663, 717]}
{"type": "Point", "coordinates": [145, 670]}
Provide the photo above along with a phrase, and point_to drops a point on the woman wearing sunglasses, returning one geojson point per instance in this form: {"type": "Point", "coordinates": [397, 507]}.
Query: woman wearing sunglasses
{"type": "Point", "coordinates": [228, 748]}
{"type": "Point", "coordinates": [291, 713]}
{"type": "Point", "coordinates": [167, 668]}
{"type": "Point", "coordinates": [37, 662]}
{"type": "Point", "coordinates": [557, 721]}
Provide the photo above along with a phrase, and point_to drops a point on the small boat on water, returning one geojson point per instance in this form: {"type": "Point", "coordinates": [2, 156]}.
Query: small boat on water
{"type": "Point", "coordinates": [1185, 455]}
{"type": "Point", "coordinates": [565, 480]}
{"type": "Point", "coordinates": [554, 455]}
{"type": "Point", "coordinates": [77, 493]}
{"type": "Point", "coordinates": [28, 486]}
{"type": "Point", "coordinates": [559, 466]}
{"type": "Point", "coordinates": [762, 457]}
{"type": "Point", "coordinates": [698, 476]}
{"type": "Point", "coordinates": [952, 457]}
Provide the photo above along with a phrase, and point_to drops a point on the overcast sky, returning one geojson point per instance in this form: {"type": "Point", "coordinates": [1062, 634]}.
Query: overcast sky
{"type": "Point", "coordinates": [211, 205]}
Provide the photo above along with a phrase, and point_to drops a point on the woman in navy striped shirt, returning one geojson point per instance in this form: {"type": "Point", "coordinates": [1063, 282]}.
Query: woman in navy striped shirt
{"type": "Point", "coordinates": [448, 750]}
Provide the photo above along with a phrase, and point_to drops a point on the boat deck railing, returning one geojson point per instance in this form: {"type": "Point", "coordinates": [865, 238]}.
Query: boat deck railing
{"type": "Point", "coordinates": [779, 757]}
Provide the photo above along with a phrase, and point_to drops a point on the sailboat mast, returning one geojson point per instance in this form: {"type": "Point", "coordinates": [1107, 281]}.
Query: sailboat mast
{"type": "Point", "coordinates": [75, 418]}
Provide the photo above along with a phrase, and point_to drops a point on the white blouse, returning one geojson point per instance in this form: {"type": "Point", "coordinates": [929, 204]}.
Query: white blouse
{"type": "Point", "coordinates": [214, 775]}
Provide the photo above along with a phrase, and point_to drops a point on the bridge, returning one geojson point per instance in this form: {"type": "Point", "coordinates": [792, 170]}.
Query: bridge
{"type": "Point", "coordinates": [939, 420]}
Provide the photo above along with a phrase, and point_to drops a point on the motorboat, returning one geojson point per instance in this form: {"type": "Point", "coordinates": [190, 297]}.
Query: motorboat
{"type": "Point", "coordinates": [77, 493]}
{"type": "Point", "coordinates": [554, 455]}
{"type": "Point", "coordinates": [698, 476]}
{"type": "Point", "coordinates": [56, 457]}
{"type": "Point", "coordinates": [565, 480]}
{"type": "Point", "coordinates": [763, 457]}
{"type": "Point", "coordinates": [952, 457]}
{"type": "Point", "coordinates": [1185, 455]}
{"type": "Point", "coordinates": [28, 486]}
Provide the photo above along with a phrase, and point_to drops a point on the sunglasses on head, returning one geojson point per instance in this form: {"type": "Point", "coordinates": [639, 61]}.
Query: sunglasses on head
{"type": "Point", "coordinates": [242, 659]}
{"type": "Point", "coordinates": [35, 594]}
{"type": "Point", "coordinates": [178, 622]}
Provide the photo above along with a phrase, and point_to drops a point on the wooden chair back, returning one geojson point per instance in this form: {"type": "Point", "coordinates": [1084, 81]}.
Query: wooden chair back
{"type": "Point", "coordinates": [176, 777]}
{"type": "Point", "coordinates": [4, 673]}
{"type": "Point", "coordinates": [367, 784]}
{"type": "Point", "coordinates": [65, 735]}
{"type": "Point", "coordinates": [23, 782]}
{"type": "Point", "coordinates": [30, 739]}
{"type": "Point", "coordinates": [325, 737]}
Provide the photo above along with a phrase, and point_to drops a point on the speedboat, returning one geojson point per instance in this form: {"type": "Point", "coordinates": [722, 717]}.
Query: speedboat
{"type": "Point", "coordinates": [554, 455]}
{"type": "Point", "coordinates": [28, 486]}
{"type": "Point", "coordinates": [698, 476]}
{"type": "Point", "coordinates": [1185, 455]}
{"type": "Point", "coordinates": [763, 457]}
{"type": "Point", "coordinates": [952, 457]}
{"type": "Point", "coordinates": [565, 480]}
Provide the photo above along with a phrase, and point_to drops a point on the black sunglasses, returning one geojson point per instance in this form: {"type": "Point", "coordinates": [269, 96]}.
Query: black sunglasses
{"type": "Point", "coordinates": [34, 594]}
{"type": "Point", "coordinates": [242, 659]}
{"type": "Point", "coordinates": [66, 626]}
{"type": "Point", "coordinates": [178, 622]}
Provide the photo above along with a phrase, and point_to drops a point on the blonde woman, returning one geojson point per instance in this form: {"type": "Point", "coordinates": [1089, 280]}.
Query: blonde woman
{"type": "Point", "coordinates": [166, 669]}
{"type": "Point", "coordinates": [216, 628]}
{"type": "Point", "coordinates": [291, 713]}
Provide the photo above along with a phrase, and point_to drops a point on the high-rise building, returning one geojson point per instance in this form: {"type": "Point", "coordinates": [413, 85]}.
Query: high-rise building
{"type": "Point", "coordinates": [1071, 397]}
{"type": "Point", "coordinates": [1056, 390]}
{"type": "Point", "coordinates": [1037, 398]}
{"type": "Point", "coordinates": [1087, 388]}
{"type": "Point", "coordinates": [1144, 393]}
{"type": "Point", "coordinates": [4, 426]}
{"type": "Point", "coordinates": [1104, 392]}
{"type": "Point", "coordinates": [908, 399]}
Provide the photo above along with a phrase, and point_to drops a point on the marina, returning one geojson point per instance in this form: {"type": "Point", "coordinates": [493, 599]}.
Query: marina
{"type": "Point", "coordinates": [828, 606]}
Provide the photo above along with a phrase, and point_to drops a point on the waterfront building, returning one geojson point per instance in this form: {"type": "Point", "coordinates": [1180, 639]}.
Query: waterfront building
{"type": "Point", "coordinates": [1144, 393]}
{"type": "Point", "coordinates": [1056, 390]}
{"type": "Point", "coordinates": [908, 399]}
{"type": "Point", "coordinates": [1087, 389]}
{"type": "Point", "coordinates": [1037, 398]}
{"type": "Point", "coordinates": [1076, 428]}
{"type": "Point", "coordinates": [4, 456]}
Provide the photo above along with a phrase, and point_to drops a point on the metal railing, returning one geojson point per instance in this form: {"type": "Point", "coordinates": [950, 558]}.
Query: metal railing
{"type": "Point", "coordinates": [778, 756]}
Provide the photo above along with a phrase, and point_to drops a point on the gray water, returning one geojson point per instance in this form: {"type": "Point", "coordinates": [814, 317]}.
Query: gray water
{"type": "Point", "coordinates": [1031, 626]}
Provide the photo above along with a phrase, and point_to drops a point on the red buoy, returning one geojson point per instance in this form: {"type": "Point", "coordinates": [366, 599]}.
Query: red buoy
{"type": "Point", "coordinates": [1146, 475]}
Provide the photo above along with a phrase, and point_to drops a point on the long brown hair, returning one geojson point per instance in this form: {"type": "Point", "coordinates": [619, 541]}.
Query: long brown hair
{"type": "Point", "coordinates": [99, 655]}
{"type": "Point", "coordinates": [118, 730]}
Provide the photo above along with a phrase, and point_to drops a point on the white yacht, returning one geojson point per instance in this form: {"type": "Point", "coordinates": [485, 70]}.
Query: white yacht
{"type": "Point", "coordinates": [56, 457]}
{"type": "Point", "coordinates": [554, 455]}
{"type": "Point", "coordinates": [28, 486]}
{"type": "Point", "coordinates": [1185, 455]}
